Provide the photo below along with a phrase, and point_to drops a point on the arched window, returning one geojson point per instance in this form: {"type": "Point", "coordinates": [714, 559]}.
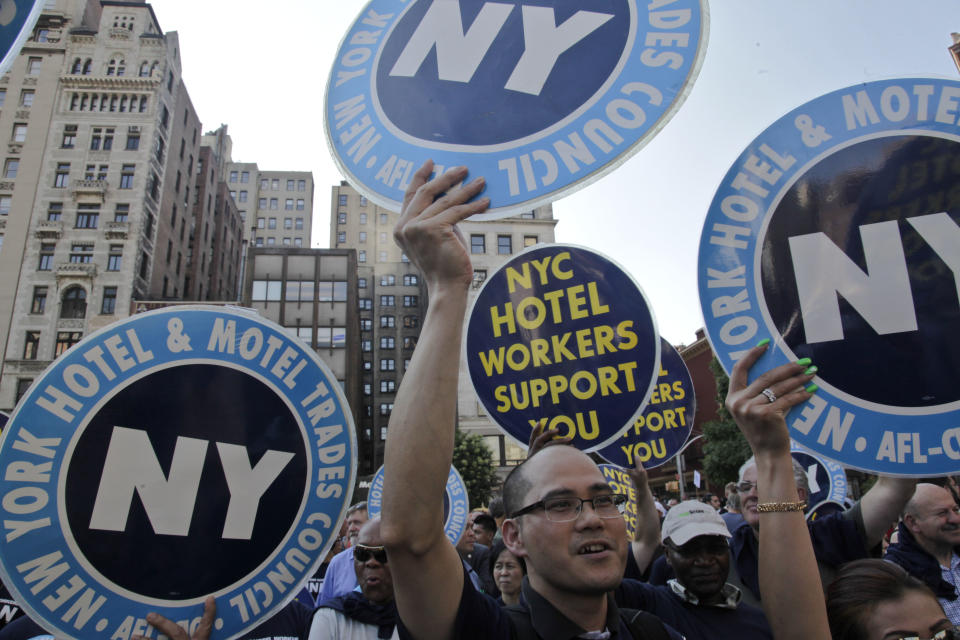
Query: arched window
{"type": "Point", "coordinates": [74, 303]}
{"type": "Point", "coordinates": [121, 66]}
{"type": "Point", "coordinates": [87, 66]}
{"type": "Point", "coordinates": [143, 104]}
{"type": "Point", "coordinates": [153, 67]}
{"type": "Point", "coordinates": [144, 69]}
{"type": "Point", "coordinates": [112, 67]}
{"type": "Point", "coordinates": [77, 67]}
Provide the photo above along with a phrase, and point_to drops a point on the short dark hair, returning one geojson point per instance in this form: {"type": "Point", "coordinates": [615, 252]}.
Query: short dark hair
{"type": "Point", "coordinates": [515, 488]}
{"type": "Point", "coordinates": [496, 549]}
{"type": "Point", "coordinates": [486, 521]}
{"type": "Point", "coordinates": [857, 590]}
{"type": "Point", "coordinates": [496, 507]}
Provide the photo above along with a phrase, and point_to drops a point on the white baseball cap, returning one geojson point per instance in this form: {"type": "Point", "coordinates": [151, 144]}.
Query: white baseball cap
{"type": "Point", "coordinates": [690, 519]}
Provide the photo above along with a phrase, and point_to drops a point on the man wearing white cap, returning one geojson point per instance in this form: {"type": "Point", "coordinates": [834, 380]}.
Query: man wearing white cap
{"type": "Point", "coordinates": [698, 603]}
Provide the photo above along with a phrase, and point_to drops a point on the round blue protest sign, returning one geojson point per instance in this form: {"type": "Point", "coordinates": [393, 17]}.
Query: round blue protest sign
{"type": "Point", "coordinates": [181, 453]}
{"type": "Point", "coordinates": [561, 335]}
{"type": "Point", "coordinates": [836, 235]}
{"type": "Point", "coordinates": [456, 503]}
{"type": "Point", "coordinates": [665, 425]}
{"type": "Point", "coordinates": [826, 480]}
{"type": "Point", "coordinates": [17, 20]}
{"type": "Point", "coordinates": [538, 96]}
{"type": "Point", "coordinates": [620, 482]}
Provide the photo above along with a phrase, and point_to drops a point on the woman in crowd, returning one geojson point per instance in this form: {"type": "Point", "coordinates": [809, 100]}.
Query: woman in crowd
{"type": "Point", "coordinates": [508, 571]}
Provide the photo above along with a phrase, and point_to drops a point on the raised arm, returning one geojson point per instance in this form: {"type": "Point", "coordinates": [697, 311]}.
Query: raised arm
{"type": "Point", "coordinates": [427, 572]}
{"type": "Point", "coordinates": [882, 505]}
{"type": "Point", "coordinates": [648, 519]}
{"type": "Point", "coordinates": [789, 579]}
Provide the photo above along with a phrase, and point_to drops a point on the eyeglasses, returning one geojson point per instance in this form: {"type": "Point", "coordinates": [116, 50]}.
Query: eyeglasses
{"type": "Point", "coordinates": [362, 553]}
{"type": "Point", "coordinates": [567, 508]}
{"type": "Point", "coordinates": [708, 544]}
{"type": "Point", "coordinates": [746, 486]}
{"type": "Point", "coordinates": [946, 634]}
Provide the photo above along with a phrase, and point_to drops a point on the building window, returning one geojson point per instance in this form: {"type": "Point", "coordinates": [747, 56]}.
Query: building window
{"type": "Point", "coordinates": [410, 280]}
{"type": "Point", "coordinates": [387, 322]}
{"type": "Point", "coordinates": [5, 205]}
{"type": "Point", "coordinates": [3, 97]}
{"type": "Point", "coordinates": [61, 178]}
{"type": "Point", "coordinates": [411, 322]}
{"type": "Point", "coordinates": [388, 280]}
{"type": "Point", "coordinates": [19, 132]}
{"type": "Point", "coordinates": [23, 385]}
{"type": "Point", "coordinates": [504, 245]}
{"type": "Point", "coordinates": [366, 324]}
{"type": "Point", "coordinates": [81, 253]}
{"type": "Point", "coordinates": [259, 242]}
{"type": "Point", "coordinates": [478, 243]}
{"type": "Point", "coordinates": [69, 140]}
{"type": "Point", "coordinates": [88, 216]}
{"type": "Point", "coordinates": [275, 184]}
{"type": "Point", "coordinates": [298, 224]}
{"type": "Point", "coordinates": [109, 303]}
{"type": "Point", "coordinates": [121, 212]}
{"type": "Point", "coordinates": [289, 185]}
{"type": "Point", "coordinates": [529, 241]}
{"type": "Point", "coordinates": [33, 66]}
{"type": "Point", "coordinates": [272, 223]}
{"type": "Point", "coordinates": [133, 141]}
{"type": "Point", "coordinates": [288, 223]}
{"type": "Point", "coordinates": [387, 301]}
{"type": "Point", "coordinates": [288, 204]}
{"type": "Point", "coordinates": [388, 386]}
{"type": "Point", "coordinates": [388, 364]}
{"type": "Point", "coordinates": [341, 218]}
{"type": "Point", "coordinates": [342, 200]}
{"type": "Point", "coordinates": [30, 345]}
{"type": "Point", "coordinates": [115, 258]}
{"type": "Point", "coordinates": [409, 343]}
{"type": "Point", "coordinates": [361, 256]}
{"type": "Point", "coordinates": [54, 210]}
{"type": "Point", "coordinates": [10, 168]}
{"type": "Point", "coordinates": [366, 304]}
{"type": "Point", "coordinates": [361, 283]}
{"type": "Point", "coordinates": [367, 389]}
{"type": "Point", "coordinates": [271, 241]}
{"type": "Point", "coordinates": [274, 204]}
{"type": "Point", "coordinates": [46, 257]}
{"type": "Point", "coordinates": [244, 176]}
{"type": "Point", "coordinates": [383, 218]}
{"type": "Point", "coordinates": [243, 196]}
{"type": "Point", "coordinates": [363, 218]}
{"type": "Point", "coordinates": [65, 340]}
{"type": "Point", "coordinates": [411, 301]}
{"type": "Point", "coordinates": [39, 303]}
{"type": "Point", "coordinates": [387, 342]}
{"type": "Point", "coordinates": [26, 98]}
{"type": "Point", "coordinates": [126, 176]}
{"type": "Point", "coordinates": [74, 303]}
{"type": "Point", "coordinates": [233, 176]}
{"type": "Point", "coordinates": [366, 345]}
{"type": "Point", "coordinates": [367, 365]}
{"type": "Point", "coordinates": [298, 242]}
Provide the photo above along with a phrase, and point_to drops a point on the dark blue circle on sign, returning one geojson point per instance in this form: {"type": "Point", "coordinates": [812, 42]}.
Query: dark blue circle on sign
{"type": "Point", "coordinates": [17, 19]}
{"type": "Point", "coordinates": [562, 335]}
{"type": "Point", "coordinates": [835, 235]}
{"type": "Point", "coordinates": [665, 425]}
{"type": "Point", "coordinates": [881, 187]}
{"type": "Point", "coordinates": [826, 479]}
{"type": "Point", "coordinates": [458, 100]}
{"type": "Point", "coordinates": [229, 408]}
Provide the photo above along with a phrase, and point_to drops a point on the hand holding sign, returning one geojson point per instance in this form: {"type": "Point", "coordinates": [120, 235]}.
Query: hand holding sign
{"type": "Point", "coordinates": [175, 632]}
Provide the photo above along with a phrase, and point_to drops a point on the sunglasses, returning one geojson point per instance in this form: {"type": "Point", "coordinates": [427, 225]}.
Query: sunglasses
{"type": "Point", "coordinates": [362, 553]}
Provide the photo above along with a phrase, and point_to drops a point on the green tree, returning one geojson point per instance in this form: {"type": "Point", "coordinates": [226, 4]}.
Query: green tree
{"type": "Point", "coordinates": [474, 460]}
{"type": "Point", "coordinates": [724, 447]}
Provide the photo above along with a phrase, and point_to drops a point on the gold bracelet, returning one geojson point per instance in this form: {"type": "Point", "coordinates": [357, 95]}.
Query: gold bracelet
{"type": "Point", "coordinates": [776, 507]}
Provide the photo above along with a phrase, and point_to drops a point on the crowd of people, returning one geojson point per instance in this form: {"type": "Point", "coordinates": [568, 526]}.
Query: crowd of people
{"type": "Point", "coordinates": [550, 558]}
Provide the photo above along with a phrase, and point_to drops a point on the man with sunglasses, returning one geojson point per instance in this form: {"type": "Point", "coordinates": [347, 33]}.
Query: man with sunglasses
{"type": "Point", "coordinates": [699, 602]}
{"type": "Point", "coordinates": [837, 538]}
{"type": "Point", "coordinates": [563, 519]}
{"type": "Point", "coordinates": [371, 613]}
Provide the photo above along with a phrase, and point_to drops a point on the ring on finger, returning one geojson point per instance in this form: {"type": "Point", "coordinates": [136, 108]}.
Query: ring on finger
{"type": "Point", "coordinates": [769, 395]}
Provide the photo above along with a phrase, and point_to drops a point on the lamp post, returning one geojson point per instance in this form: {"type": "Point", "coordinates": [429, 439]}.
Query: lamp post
{"type": "Point", "coordinates": [680, 481]}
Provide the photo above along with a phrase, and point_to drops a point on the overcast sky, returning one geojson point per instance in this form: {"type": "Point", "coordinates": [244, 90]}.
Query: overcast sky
{"type": "Point", "coordinates": [262, 71]}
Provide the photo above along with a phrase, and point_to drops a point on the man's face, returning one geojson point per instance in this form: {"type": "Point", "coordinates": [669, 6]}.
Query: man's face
{"type": "Point", "coordinates": [373, 576]}
{"type": "Point", "coordinates": [701, 565]}
{"type": "Point", "coordinates": [936, 521]}
{"type": "Point", "coordinates": [467, 541]}
{"type": "Point", "coordinates": [354, 521]}
{"type": "Point", "coordinates": [748, 499]}
{"type": "Point", "coordinates": [482, 535]}
{"type": "Point", "coordinates": [585, 556]}
{"type": "Point", "coordinates": [715, 502]}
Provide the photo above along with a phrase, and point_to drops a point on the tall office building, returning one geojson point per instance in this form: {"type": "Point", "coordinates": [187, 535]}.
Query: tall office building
{"type": "Point", "coordinates": [97, 178]}
{"type": "Point", "coordinates": [276, 206]}
{"type": "Point", "coordinates": [392, 304]}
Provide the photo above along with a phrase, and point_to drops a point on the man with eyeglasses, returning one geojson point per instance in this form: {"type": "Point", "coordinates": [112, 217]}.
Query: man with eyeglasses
{"type": "Point", "coordinates": [837, 538]}
{"type": "Point", "coordinates": [929, 542]}
{"type": "Point", "coordinates": [699, 602]}
{"type": "Point", "coordinates": [371, 613]}
{"type": "Point", "coordinates": [563, 519]}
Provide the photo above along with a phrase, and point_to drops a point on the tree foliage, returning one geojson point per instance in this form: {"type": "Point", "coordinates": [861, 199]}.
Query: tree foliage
{"type": "Point", "coordinates": [474, 460]}
{"type": "Point", "coordinates": [724, 448]}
